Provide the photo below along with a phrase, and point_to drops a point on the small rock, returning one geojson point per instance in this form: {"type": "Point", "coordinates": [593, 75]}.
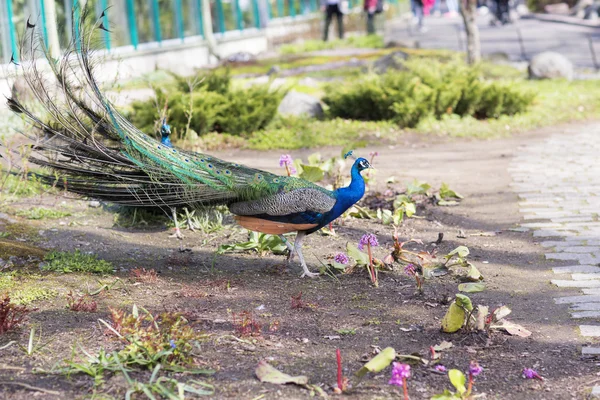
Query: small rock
{"type": "Point", "coordinates": [298, 104]}
{"type": "Point", "coordinates": [94, 204]}
{"type": "Point", "coordinates": [274, 70]}
{"type": "Point", "coordinates": [461, 234]}
{"type": "Point", "coordinates": [550, 65]}
{"type": "Point", "coordinates": [391, 61]}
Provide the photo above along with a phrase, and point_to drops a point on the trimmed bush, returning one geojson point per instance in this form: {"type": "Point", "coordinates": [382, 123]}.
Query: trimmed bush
{"type": "Point", "coordinates": [213, 105]}
{"type": "Point", "coordinates": [427, 88]}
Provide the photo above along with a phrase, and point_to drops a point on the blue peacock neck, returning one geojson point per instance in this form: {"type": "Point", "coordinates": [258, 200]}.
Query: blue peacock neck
{"type": "Point", "coordinates": [349, 195]}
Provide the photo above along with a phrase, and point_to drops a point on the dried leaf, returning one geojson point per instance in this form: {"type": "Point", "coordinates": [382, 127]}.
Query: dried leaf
{"type": "Point", "coordinates": [482, 312]}
{"type": "Point", "coordinates": [379, 362]}
{"type": "Point", "coordinates": [443, 346]}
{"type": "Point", "coordinates": [501, 312]}
{"type": "Point", "coordinates": [513, 329]}
{"type": "Point", "coordinates": [266, 373]}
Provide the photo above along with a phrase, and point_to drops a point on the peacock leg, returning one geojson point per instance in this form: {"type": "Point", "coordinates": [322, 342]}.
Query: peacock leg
{"type": "Point", "coordinates": [177, 233]}
{"type": "Point", "coordinates": [190, 223]}
{"type": "Point", "coordinates": [298, 249]}
{"type": "Point", "coordinates": [290, 248]}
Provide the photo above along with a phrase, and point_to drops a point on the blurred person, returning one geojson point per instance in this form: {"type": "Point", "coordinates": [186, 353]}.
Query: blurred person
{"type": "Point", "coordinates": [370, 7]}
{"type": "Point", "coordinates": [419, 13]}
{"type": "Point", "coordinates": [331, 8]}
{"type": "Point", "coordinates": [502, 11]}
{"type": "Point", "coordinates": [452, 8]}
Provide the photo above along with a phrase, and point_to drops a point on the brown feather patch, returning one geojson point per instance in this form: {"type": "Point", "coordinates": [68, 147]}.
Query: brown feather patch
{"type": "Point", "coordinates": [270, 227]}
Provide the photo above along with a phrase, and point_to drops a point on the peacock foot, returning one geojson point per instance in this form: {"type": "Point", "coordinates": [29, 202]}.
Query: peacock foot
{"type": "Point", "coordinates": [308, 273]}
{"type": "Point", "coordinates": [177, 234]}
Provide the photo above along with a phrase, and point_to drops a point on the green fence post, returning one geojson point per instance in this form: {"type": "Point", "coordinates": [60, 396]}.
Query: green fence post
{"type": "Point", "coordinates": [156, 21]}
{"type": "Point", "coordinates": [105, 22]}
{"type": "Point", "coordinates": [292, 8]}
{"type": "Point", "coordinates": [313, 5]}
{"type": "Point", "coordinates": [11, 29]}
{"type": "Point", "coordinates": [76, 21]}
{"type": "Point", "coordinates": [201, 24]}
{"type": "Point", "coordinates": [220, 16]}
{"type": "Point", "coordinates": [256, 14]}
{"type": "Point", "coordinates": [269, 11]}
{"type": "Point", "coordinates": [133, 33]}
{"type": "Point", "coordinates": [179, 19]}
{"type": "Point", "coordinates": [44, 26]}
{"type": "Point", "coordinates": [279, 8]}
{"type": "Point", "coordinates": [239, 21]}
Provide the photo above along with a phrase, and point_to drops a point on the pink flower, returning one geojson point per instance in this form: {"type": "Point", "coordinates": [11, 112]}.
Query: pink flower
{"type": "Point", "coordinates": [410, 270]}
{"type": "Point", "coordinates": [440, 368]}
{"type": "Point", "coordinates": [400, 372]}
{"type": "Point", "coordinates": [368, 238]}
{"type": "Point", "coordinates": [475, 369]}
{"type": "Point", "coordinates": [341, 258]}
{"type": "Point", "coordinates": [286, 161]}
{"type": "Point", "coordinates": [529, 373]}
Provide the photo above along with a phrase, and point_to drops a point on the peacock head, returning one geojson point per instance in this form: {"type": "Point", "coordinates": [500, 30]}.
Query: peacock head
{"type": "Point", "coordinates": [165, 129]}
{"type": "Point", "coordinates": [362, 164]}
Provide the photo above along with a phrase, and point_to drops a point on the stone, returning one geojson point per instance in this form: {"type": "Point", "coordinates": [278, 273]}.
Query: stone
{"type": "Point", "coordinates": [582, 284]}
{"type": "Point", "coordinates": [585, 314]}
{"type": "Point", "coordinates": [550, 65]}
{"type": "Point", "coordinates": [584, 277]}
{"type": "Point", "coordinates": [576, 269]}
{"type": "Point", "coordinates": [586, 307]}
{"type": "Point", "coordinates": [274, 70]}
{"type": "Point", "coordinates": [589, 330]}
{"type": "Point", "coordinates": [590, 351]}
{"type": "Point", "coordinates": [390, 61]}
{"type": "Point", "coordinates": [576, 299]}
{"type": "Point", "coordinates": [298, 104]}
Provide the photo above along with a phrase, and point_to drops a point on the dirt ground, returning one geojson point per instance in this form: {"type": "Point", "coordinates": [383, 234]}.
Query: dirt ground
{"type": "Point", "coordinates": [305, 340]}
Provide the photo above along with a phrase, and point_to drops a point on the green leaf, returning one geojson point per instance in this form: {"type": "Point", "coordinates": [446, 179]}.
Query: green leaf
{"type": "Point", "coordinates": [447, 395]}
{"type": "Point", "coordinates": [454, 318]}
{"type": "Point", "coordinates": [386, 217]}
{"type": "Point", "coordinates": [314, 159]}
{"type": "Point", "coordinates": [417, 187]}
{"type": "Point", "coordinates": [311, 173]}
{"type": "Point", "coordinates": [447, 193]}
{"type": "Point", "coordinates": [464, 301]}
{"type": "Point", "coordinates": [473, 274]}
{"type": "Point", "coordinates": [461, 251]}
{"type": "Point", "coordinates": [398, 216]}
{"type": "Point", "coordinates": [458, 380]}
{"type": "Point", "coordinates": [378, 363]}
{"type": "Point", "coordinates": [266, 373]}
{"type": "Point", "coordinates": [471, 287]}
{"type": "Point", "coordinates": [358, 256]}
{"type": "Point", "coordinates": [410, 209]}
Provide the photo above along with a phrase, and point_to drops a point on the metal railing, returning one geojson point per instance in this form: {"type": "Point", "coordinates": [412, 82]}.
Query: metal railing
{"type": "Point", "coordinates": [136, 22]}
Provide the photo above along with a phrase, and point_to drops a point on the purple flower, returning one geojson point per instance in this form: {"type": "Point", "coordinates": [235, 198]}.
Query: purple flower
{"type": "Point", "coordinates": [374, 153]}
{"type": "Point", "coordinates": [440, 368]}
{"type": "Point", "coordinates": [410, 270]}
{"type": "Point", "coordinates": [286, 161]}
{"type": "Point", "coordinates": [368, 238]}
{"type": "Point", "coordinates": [399, 373]}
{"type": "Point", "coordinates": [341, 258]}
{"type": "Point", "coordinates": [529, 373]}
{"type": "Point", "coordinates": [474, 368]}
{"type": "Point", "coordinates": [172, 343]}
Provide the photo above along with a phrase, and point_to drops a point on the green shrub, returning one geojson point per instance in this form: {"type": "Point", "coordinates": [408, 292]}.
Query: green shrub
{"type": "Point", "coordinates": [427, 87]}
{"type": "Point", "coordinates": [218, 80]}
{"type": "Point", "coordinates": [213, 105]}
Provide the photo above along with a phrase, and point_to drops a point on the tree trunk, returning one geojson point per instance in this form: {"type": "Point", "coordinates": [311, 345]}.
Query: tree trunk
{"type": "Point", "coordinates": [468, 10]}
{"type": "Point", "coordinates": [51, 30]}
{"type": "Point", "coordinates": [208, 30]}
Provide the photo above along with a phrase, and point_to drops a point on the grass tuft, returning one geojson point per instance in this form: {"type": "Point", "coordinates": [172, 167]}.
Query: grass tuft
{"type": "Point", "coordinates": [67, 262]}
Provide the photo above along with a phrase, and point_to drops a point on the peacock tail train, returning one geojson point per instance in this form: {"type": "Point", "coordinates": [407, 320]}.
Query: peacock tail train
{"type": "Point", "coordinates": [93, 150]}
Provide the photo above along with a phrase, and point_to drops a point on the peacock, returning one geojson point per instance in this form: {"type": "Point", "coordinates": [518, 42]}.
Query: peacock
{"type": "Point", "coordinates": [94, 151]}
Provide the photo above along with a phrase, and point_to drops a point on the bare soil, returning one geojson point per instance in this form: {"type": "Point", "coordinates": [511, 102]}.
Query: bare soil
{"type": "Point", "coordinates": [302, 341]}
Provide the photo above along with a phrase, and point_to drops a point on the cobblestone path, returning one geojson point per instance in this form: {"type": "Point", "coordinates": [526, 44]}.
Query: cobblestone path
{"type": "Point", "coordinates": [558, 182]}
